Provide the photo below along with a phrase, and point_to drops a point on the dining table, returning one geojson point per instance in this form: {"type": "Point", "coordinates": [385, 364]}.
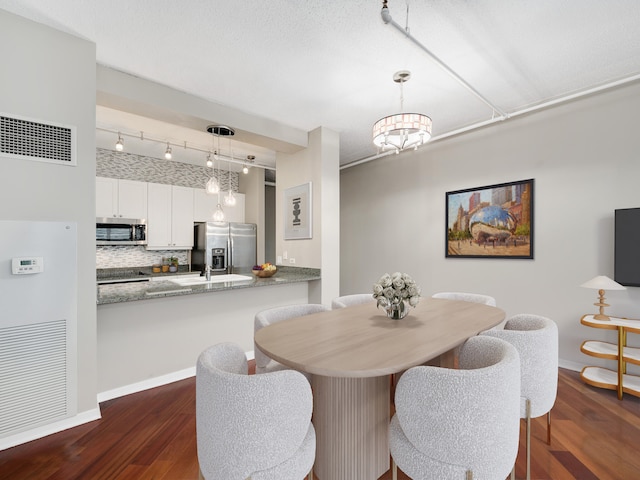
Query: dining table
{"type": "Point", "coordinates": [350, 354]}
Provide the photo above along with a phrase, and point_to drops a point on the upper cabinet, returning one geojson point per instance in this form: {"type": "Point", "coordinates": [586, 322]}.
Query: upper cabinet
{"type": "Point", "coordinates": [170, 217]}
{"type": "Point", "coordinates": [205, 205]}
{"type": "Point", "coordinates": [120, 198]}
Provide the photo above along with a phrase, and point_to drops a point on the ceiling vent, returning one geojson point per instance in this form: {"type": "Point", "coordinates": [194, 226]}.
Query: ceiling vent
{"type": "Point", "coordinates": [29, 139]}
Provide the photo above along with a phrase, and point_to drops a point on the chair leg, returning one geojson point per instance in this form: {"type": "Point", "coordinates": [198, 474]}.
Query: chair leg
{"type": "Point", "coordinates": [200, 476]}
{"type": "Point", "coordinates": [469, 475]}
{"type": "Point", "coordinates": [528, 439]}
{"type": "Point", "coordinates": [549, 427]}
{"type": "Point", "coordinates": [394, 469]}
{"type": "Point", "coordinates": [311, 474]}
{"type": "Point", "coordinates": [513, 472]}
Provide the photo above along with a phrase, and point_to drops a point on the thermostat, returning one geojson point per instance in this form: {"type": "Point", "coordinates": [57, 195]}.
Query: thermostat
{"type": "Point", "coordinates": [26, 265]}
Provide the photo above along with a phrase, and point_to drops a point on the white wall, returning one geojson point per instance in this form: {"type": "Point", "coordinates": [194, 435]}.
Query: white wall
{"type": "Point", "coordinates": [143, 340]}
{"type": "Point", "coordinates": [49, 75]}
{"type": "Point", "coordinates": [583, 156]}
{"type": "Point", "coordinates": [317, 164]}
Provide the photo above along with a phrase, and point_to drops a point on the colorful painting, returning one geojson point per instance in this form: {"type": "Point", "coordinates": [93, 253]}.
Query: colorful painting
{"type": "Point", "coordinates": [495, 221]}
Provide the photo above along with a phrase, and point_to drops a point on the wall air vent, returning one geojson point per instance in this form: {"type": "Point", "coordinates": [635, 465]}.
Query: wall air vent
{"type": "Point", "coordinates": [33, 375]}
{"type": "Point", "coordinates": [29, 139]}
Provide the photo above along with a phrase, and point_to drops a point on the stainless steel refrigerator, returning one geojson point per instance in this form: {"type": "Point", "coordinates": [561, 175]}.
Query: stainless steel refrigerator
{"type": "Point", "coordinates": [225, 247]}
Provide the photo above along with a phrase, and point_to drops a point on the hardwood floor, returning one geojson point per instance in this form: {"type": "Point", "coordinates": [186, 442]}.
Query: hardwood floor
{"type": "Point", "coordinates": [151, 435]}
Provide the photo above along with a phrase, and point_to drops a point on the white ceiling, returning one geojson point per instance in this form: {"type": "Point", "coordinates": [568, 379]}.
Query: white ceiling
{"type": "Point", "coordinates": [330, 63]}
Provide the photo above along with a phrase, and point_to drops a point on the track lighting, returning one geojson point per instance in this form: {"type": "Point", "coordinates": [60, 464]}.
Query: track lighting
{"type": "Point", "coordinates": [119, 143]}
{"type": "Point", "coordinates": [250, 159]}
{"type": "Point", "coordinates": [167, 153]}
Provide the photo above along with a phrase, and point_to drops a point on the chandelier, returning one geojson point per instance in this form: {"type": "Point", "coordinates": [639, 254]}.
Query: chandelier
{"type": "Point", "coordinates": [401, 130]}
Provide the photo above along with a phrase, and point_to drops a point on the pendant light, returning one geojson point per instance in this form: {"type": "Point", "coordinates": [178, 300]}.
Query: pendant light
{"type": "Point", "coordinates": [212, 187]}
{"type": "Point", "coordinates": [219, 130]}
{"type": "Point", "coordinates": [167, 152]}
{"type": "Point", "coordinates": [402, 130]}
{"type": "Point", "coordinates": [218, 215]}
{"type": "Point", "coordinates": [229, 199]}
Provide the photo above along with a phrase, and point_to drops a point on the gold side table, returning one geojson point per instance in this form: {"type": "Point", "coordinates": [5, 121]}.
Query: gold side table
{"type": "Point", "coordinates": [619, 379]}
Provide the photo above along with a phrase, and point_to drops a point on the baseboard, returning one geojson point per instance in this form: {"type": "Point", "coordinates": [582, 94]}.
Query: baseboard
{"type": "Point", "coordinates": [146, 384]}
{"type": "Point", "coordinates": [153, 382]}
{"type": "Point", "coordinates": [55, 427]}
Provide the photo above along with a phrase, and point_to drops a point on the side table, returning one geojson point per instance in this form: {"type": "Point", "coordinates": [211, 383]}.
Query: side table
{"type": "Point", "coordinates": [619, 379]}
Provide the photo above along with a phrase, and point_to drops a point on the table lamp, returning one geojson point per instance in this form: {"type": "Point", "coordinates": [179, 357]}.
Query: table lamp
{"type": "Point", "coordinates": [602, 283]}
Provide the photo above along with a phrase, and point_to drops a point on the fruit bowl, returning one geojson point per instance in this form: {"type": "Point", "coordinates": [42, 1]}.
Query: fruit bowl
{"type": "Point", "coordinates": [264, 273]}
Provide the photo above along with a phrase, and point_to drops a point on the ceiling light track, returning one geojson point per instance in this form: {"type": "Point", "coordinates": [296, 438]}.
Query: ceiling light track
{"type": "Point", "coordinates": [144, 137]}
{"type": "Point", "coordinates": [386, 18]}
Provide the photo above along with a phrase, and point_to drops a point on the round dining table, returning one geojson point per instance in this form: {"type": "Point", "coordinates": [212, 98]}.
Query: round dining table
{"type": "Point", "coordinates": [350, 354]}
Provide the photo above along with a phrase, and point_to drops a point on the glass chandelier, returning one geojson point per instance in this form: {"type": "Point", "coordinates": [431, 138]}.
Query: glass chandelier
{"type": "Point", "coordinates": [401, 130]}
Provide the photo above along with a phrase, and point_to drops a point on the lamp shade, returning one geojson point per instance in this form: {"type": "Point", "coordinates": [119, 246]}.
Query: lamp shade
{"type": "Point", "coordinates": [602, 282]}
{"type": "Point", "coordinates": [401, 131]}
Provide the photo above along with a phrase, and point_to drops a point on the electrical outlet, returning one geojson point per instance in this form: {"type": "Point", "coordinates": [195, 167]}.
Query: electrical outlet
{"type": "Point", "coordinates": [279, 260]}
{"type": "Point", "coordinates": [292, 261]}
{"type": "Point", "coordinates": [284, 255]}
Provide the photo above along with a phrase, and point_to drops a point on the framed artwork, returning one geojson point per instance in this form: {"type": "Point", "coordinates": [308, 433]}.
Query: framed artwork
{"type": "Point", "coordinates": [495, 221]}
{"type": "Point", "coordinates": [297, 212]}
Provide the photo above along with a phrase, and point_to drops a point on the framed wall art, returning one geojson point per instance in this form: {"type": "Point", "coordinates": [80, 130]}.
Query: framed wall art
{"type": "Point", "coordinates": [297, 212]}
{"type": "Point", "coordinates": [495, 221]}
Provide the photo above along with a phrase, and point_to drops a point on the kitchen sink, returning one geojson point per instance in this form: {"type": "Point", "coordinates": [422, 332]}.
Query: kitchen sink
{"type": "Point", "coordinates": [189, 281]}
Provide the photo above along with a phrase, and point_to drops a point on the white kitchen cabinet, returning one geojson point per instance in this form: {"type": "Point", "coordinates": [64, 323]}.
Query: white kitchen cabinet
{"type": "Point", "coordinates": [120, 198]}
{"type": "Point", "coordinates": [169, 217]}
{"type": "Point", "coordinates": [205, 205]}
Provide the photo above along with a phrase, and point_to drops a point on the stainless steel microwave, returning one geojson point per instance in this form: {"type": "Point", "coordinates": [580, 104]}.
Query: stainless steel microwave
{"type": "Point", "coordinates": [121, 231]}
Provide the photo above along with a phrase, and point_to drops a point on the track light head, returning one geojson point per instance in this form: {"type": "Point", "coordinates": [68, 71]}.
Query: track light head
{"type": "Point", "coordinates": [119, 143]}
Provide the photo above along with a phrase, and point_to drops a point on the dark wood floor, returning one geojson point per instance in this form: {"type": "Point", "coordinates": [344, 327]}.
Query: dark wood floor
{"type": "Point", "coordinates": [151, 435]}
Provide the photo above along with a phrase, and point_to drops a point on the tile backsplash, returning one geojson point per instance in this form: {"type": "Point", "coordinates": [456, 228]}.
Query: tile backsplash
{"type": "Point", "coordinates": [129, 166]}
{"type": "Point", "coordinates": [134, 256]}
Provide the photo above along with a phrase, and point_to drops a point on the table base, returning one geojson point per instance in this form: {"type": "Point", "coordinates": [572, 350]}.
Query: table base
{"type": "Point", "coordinates": [351, 419]}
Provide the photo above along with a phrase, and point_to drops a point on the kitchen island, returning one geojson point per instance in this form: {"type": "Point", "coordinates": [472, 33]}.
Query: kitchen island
{"type": "Point", "coordinates": [163, 285]}
{"type": "Point", "coordinates": [150, 333]}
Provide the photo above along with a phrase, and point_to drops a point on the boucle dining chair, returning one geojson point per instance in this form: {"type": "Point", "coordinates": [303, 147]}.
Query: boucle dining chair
{"type": "Point", "coordinates": [277, 314]}
{"type": "Point", "coordinates": [467, 297]}
{"type": "Point", "coordinates": [354, 299]}
{"type": "Point", "coordinates": [536, 339]}
{"type": "Point", "coordinates": [254, 427]}
{"type": "Point", "coordinates": [459, 423]}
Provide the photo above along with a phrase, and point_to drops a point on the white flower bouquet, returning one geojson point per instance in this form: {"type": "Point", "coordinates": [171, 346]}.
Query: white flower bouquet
{"type": "Point", "coordinates": [393, 293]}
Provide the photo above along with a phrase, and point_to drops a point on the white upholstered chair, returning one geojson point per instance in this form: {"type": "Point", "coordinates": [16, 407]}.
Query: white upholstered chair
{"type": "Point", "coordinates": [354, 299]}
{"type": "Point", "coordinates": [277, 314]}
{"type": "Point", "coordinates": [459, 423]}
{"type": "Point", "coordinates": [251, 426]}
{"type": "Point", "coordinates": [467, 297]}
{"type": "Point", "coordinates": [536, 339]}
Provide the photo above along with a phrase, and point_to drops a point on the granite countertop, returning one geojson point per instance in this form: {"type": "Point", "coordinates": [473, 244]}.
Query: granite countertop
{"type": "Point", "coordinates": [162, 286]}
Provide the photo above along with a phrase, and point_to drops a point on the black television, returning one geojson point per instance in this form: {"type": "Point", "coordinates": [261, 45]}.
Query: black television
{"type": "Point", "coordinates": [627, 247]}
